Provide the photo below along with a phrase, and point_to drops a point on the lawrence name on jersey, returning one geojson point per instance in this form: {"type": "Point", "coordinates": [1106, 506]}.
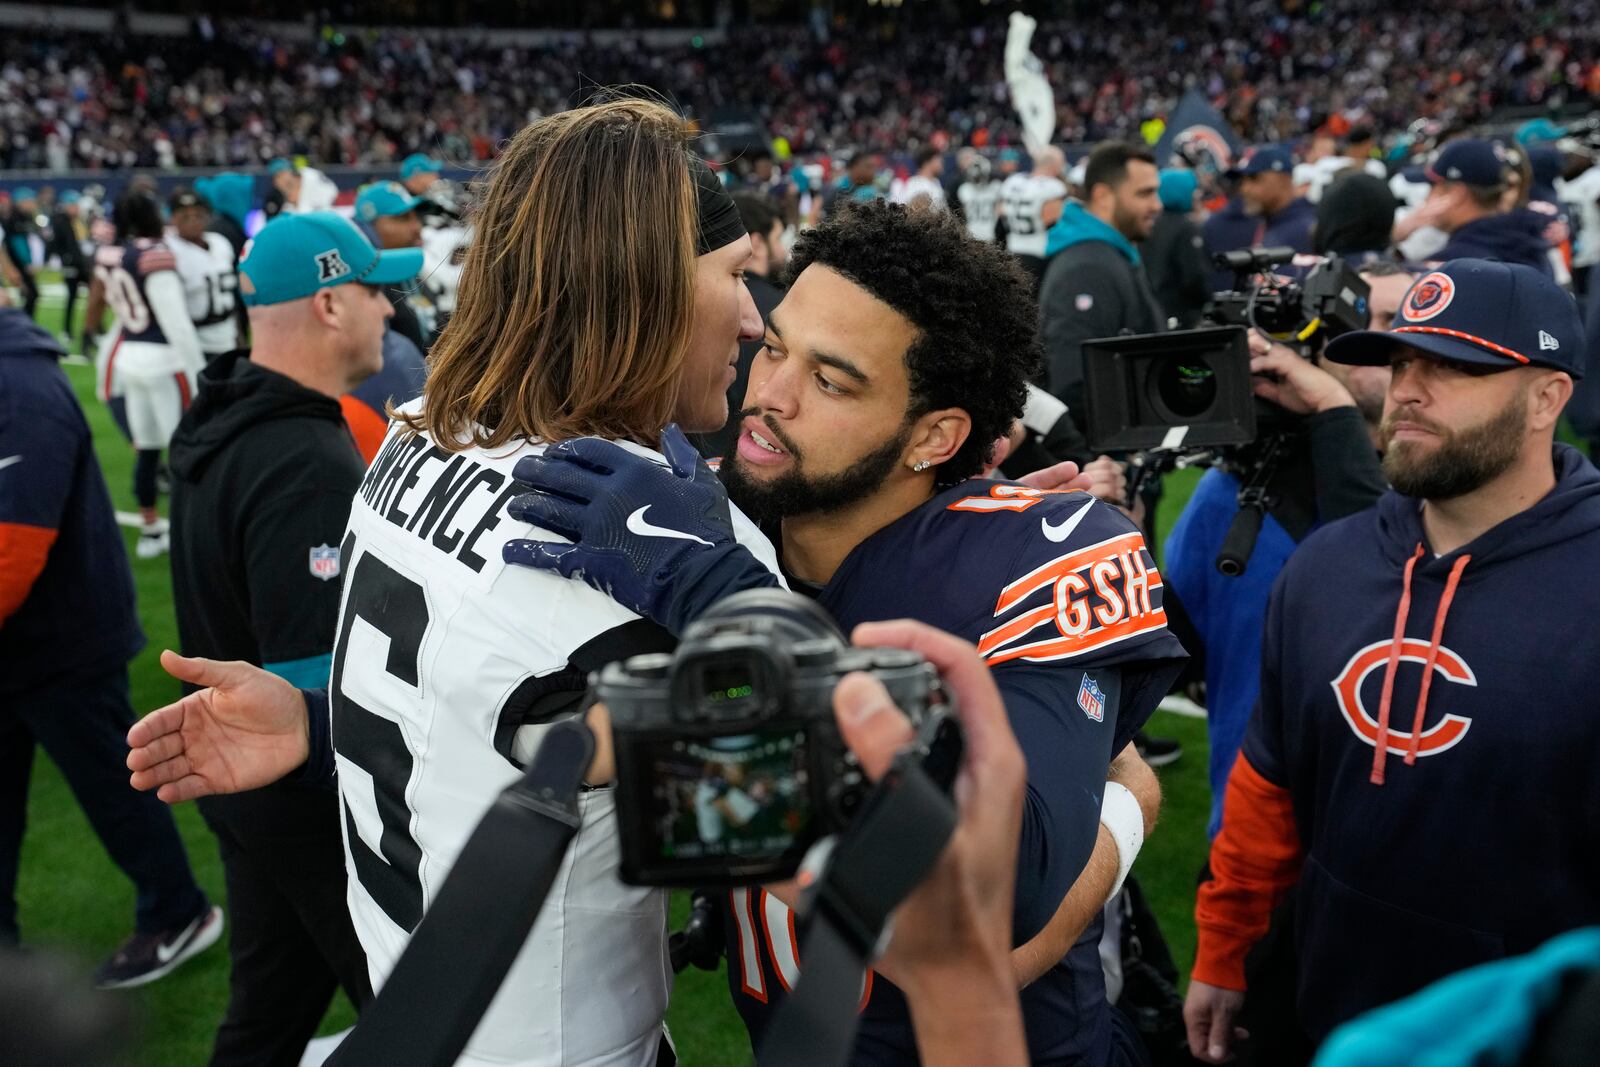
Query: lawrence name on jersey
{"type": "Point", "coordinates": [1025, 197]}
{"type": "Point", "coordinates": [448, 666]}
{"type": "Point", "coordinates": [152, 355]}
{"type": "Point", "coordinates": [210, 287]}
{"type": "Point", "coordinates": [1064, 602]}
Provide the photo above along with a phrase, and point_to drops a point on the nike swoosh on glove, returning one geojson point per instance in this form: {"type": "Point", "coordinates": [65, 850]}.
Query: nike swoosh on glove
{"type": "Point", "coordinates": [657, 540]}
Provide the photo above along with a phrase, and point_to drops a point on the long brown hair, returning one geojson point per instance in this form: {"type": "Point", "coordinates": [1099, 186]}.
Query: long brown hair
{"type": "Point", "coordinates": [576, 295]}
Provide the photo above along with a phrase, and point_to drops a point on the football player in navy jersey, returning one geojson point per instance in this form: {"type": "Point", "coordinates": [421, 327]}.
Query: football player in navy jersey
{"type": "Point", "coordinates": [899, 355]}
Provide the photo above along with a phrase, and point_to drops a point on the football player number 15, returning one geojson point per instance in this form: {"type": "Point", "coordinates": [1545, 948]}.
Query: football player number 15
{"type": "Point", "coordinates": [397, 607]}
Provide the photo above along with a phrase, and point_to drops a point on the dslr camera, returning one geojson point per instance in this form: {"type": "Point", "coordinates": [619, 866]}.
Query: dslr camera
{"type": "Point", "coordinates": [729, 762]}
{"type": "Point", "coordinates": [1191, 389]}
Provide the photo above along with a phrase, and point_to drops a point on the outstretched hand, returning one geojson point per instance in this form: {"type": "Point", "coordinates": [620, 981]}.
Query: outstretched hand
{"type": "Point", "coordinates": [247, 729]}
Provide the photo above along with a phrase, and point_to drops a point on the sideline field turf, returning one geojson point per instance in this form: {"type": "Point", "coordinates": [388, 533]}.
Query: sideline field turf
{"type": "Point", "coordinates": [73, 899]}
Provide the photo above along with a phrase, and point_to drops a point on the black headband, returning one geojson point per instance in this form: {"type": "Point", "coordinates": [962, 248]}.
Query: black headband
{"type": "Point", "coordinates": [719, 221]}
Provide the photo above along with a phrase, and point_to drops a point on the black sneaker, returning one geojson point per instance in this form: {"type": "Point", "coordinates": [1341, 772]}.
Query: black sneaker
{"type": "Point", "coordinates": [1157, 751]}
{"type": "Point", "coordinates": [146, 957]}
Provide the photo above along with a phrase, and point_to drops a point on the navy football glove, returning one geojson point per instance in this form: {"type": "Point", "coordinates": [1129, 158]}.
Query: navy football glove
{"type": "Point", "coordinates": [657, 541]}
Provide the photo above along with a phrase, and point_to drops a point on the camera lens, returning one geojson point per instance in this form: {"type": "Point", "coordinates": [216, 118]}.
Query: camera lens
{"type": "Point", "coordinates": [1184, 387]}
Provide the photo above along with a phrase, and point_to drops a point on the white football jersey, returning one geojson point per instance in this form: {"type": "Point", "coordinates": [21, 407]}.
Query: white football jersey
{"type": "Point", "coordinates": [442, 651]}
{"type": "Point", "coordinates": [928, 189]}
{"type": "Point", "coordinates": [979, 203]}
{"type": "Point", "coordinates": [1025, 196]}
{"type": "Point", "coordinates": [210, 285]}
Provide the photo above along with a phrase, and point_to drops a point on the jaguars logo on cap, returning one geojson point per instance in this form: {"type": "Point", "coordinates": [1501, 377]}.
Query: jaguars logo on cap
{"type": "Point", "coordinates": [1430, 295]}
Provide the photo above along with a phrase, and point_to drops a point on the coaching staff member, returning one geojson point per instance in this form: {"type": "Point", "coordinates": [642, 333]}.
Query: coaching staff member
{"type": "Point", "coordinates": [1420, 767]}
{"type": "Point", "coordinates": [264, 472]}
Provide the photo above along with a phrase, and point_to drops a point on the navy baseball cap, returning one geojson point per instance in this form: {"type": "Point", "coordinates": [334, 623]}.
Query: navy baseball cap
{"type": "Point", "coordinates": [1264, 159]}
{"type": "Point", "coordinates": [419, 163]}
{"type": "Point", "coordinates": [1478, 311]}
{"type": "Point", "coordinates": [295, 255]}
{"type": "Point", "coordinates": [385, 198]}
{"type": "Point", "coordinates": [1471, 161]}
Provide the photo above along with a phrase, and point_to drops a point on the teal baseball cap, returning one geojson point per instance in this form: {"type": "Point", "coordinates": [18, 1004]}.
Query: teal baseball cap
{"type": "Point", "coordinates": [279, 165]}
{"type": "Point", "coordinates": [295, 255]}
{"type": "Point", "coordinates": [22, 192]}
{"type": "Point", "coordinates": [419, 163]}
{"type": "Point", "coordinates": [385, 198]}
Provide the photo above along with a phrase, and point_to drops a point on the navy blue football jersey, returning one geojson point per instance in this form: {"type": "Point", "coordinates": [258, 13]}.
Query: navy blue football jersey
{"type": "Point", "coordinates": [1063, 599]}
{"type": "Point", "coordinates": [124, 270]}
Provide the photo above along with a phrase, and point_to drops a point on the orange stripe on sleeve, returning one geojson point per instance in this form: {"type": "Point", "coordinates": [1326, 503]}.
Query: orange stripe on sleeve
{"type": "Point", "coordinates": [23, 552]}
{"type": "Point", "coordinates": [366, 426]}
{"type": "Point", "coordinates": [1254, 861]}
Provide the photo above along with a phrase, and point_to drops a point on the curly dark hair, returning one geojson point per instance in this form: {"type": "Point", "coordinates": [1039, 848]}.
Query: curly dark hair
{"type": "Point", "coordinates": [977, 324]}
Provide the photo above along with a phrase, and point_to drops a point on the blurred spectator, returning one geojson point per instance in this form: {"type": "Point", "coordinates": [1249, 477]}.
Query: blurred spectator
{"type": "Point", "coordinates": [66, 245]}
{"type": "Point", "coordinates": [858, 182]}
{"type": "Point", "coordinates": [1355, 218]}
{"type": "Point", "coordinates": [924, 189]}
{"type": "Point", "coordinates": [387, 214]}
{"type": "Point", "coordinates": [1266, 189]}
{"type": "Point", "coordinates": [68, 627]}
{"type": "Point", "coordinates": [1469, 179]}
{"type": "Point", "coordinates": [979, 197]}
{"type": "Point", "coordinates": [1031, 204]}
{"type": "Point", "coordinates": [1174, 253]}
{"type": "Point", "coordinates": [304, 189]}
{"type": "Point", "coordinates": [21, 226]}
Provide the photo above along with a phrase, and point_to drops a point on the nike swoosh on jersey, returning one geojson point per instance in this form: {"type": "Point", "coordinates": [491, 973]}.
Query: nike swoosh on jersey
{"type": "Point", "coordinates": [638, 524]}
{"type": "Point", "coordinates": [1063, 530]}
{"type": "Point", "coordinates": [10, 461]}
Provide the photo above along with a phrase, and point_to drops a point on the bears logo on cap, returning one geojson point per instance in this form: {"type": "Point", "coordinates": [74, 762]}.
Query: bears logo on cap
{"type": "Point", "coordinates": [1428, 297]}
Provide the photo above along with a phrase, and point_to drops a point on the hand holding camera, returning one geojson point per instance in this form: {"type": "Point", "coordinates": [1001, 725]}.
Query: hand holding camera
{"type": "Point", "coordinates": [1279, 375]}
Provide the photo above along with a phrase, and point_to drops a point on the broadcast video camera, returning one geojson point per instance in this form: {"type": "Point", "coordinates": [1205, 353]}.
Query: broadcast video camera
{"type": "Point", "coordinates": [729, 761]}
{"type": "Point", "coordinates": [1186, 399]}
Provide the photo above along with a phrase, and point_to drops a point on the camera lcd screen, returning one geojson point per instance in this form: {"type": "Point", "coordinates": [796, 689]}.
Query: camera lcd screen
{"type": "Point", "coordinates": [740, 797]}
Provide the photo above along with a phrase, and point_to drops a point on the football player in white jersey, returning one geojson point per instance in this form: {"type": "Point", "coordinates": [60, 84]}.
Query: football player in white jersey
{"type": "Point", "coordinates": [206, 265]}
{"type": "Point", "coordinates": [980, 199]}
{"type": "Point", "coordinates": [1032, 203]}
{"type": "Point", "coordinates": [449, 664]}
{"type": "Point", "coordinates": [152, 353]}
{"type": "Point", "coordinates": [924, 189]}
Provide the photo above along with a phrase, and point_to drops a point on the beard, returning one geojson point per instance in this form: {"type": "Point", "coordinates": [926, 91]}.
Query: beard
{"type": "Point", "coordinates": [1464, 461]}
{"type": "Point", "coordinates": [793, 493]}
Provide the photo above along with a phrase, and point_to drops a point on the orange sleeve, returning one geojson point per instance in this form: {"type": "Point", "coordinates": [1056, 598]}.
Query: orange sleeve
{"type": "Point", "coordinates": [366, 426]}
{"type": "Point", "coordinates": [23, 551]}
{"type": "Point", "coordinates": [1254, 861]}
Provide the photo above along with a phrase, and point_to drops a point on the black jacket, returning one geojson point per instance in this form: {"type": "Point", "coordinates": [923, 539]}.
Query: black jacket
{"type": "Point", "coordinates": [1174, 255]}
{"type": "Point", "coordinates": [1091, 289]}
{"type": "Point", "coordinates": [264, 471]}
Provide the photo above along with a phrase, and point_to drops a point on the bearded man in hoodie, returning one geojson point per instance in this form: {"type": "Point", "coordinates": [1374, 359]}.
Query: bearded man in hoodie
{"type": "Point", "coordinates": [1419, 768]}
{"type": "Point", "coordinates": [264, 470]}
{"type": "Point", "coordinates": [1094, 283]}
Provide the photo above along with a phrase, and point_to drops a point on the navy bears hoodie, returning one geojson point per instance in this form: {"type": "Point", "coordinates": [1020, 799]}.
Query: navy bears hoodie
{"type": "Point", "coordinates": [1421, 766]}
{"type": "Point", "coordinates": [1512, 236]}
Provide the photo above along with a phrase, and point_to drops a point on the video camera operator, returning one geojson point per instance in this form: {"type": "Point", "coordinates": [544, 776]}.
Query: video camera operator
{"type": "Point", "coordinates": [1330, 469]}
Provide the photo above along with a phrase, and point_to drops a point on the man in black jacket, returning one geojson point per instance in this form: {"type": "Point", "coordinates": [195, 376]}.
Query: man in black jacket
{"type": "Point", "coordinates": [1094, 284]}
{"type": "Point", "coordinates": [264, 472]}
{"type": "Point", "coordinates": [1174, 254]}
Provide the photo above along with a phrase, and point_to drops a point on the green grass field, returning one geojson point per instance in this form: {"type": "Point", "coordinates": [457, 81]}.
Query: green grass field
{"type": "Point", "coordinates": [74, 900]}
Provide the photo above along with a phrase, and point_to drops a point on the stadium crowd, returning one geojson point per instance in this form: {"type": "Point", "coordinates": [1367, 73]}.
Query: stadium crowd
{"type": "Point", "coordinates": [1399, 759]}
{"type": "Point", "coordinates": [234, 96]}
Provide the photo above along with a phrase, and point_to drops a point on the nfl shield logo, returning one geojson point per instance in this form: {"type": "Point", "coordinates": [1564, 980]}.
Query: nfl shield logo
{"type": "Point", "coordinates": [325, 564]}
{"type": "Point", "coordinates": [1092, 700]}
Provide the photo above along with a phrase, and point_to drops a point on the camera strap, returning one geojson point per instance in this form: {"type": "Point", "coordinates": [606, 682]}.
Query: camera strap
{"type": "Point", "coordinates": [864, 875]}
{"type": "Point", "coordinates": [488, 903]}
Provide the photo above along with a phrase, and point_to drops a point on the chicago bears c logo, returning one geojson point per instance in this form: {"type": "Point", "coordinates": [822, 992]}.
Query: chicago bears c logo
{"type": "Point", "coordinates": [1430, 295]}
{"type": "Point", "coordinates": [1347, 693]}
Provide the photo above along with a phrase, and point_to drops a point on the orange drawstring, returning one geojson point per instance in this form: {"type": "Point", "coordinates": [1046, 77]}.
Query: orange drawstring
{"type": "Point", "coordinates": [1433, 656]}
{"type": "Point", "coordinates": [1380, 747]}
